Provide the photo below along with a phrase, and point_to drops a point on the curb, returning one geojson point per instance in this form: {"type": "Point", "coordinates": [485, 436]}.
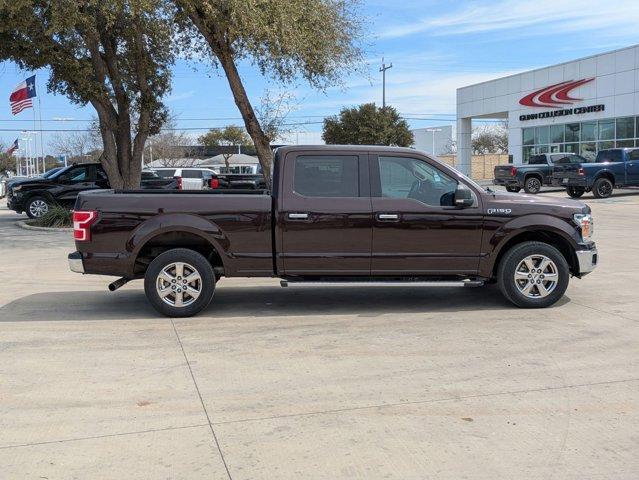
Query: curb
{"type": "Point", "coordinates": [23, 224]}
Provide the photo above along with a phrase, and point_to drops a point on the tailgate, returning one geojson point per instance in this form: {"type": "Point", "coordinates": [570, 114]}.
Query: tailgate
{"type": "Point", "coordinates": [567, 171]}
{"type": "Point", "coordinates": [503, 171]}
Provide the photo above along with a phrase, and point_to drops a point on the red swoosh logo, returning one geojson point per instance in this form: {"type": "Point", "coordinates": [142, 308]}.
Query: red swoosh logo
{"type": "Point", "coordinates": [555, 95]}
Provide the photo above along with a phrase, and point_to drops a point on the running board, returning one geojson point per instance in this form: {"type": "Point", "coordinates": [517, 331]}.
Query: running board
{"type": "Point", "coordinates": [382, 283]}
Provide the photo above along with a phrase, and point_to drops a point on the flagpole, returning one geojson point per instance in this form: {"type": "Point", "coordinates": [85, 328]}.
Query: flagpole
{"type": "Point", "coordinates": [44, 163]}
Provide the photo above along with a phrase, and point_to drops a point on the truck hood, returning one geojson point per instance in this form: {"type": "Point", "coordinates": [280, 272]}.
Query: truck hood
{"type": "Point", "coordinates": [516, 204]}
{"type": "Point", "coordinates": [31, 182]}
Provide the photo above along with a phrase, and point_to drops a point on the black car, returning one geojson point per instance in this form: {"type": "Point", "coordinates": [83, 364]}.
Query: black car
{"type": "Point", "coordinates": [61, 187]}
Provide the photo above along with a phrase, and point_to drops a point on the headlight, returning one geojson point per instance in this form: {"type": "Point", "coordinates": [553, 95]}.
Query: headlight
{"type": "Point", "coordinates": [584, 220]}
{"type": "Point", "coordinates": [17, 188]}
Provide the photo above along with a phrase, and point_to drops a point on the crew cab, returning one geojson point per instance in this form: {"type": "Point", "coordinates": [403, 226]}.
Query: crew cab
{"type": "Point", "coordinates": [345, 214]}
{"type": "Point", "coordinates": [612, 168]}
{"type": "Point", "coordinates": [533, 175]}
{"type": "Point", "coordinates": [61, 186]}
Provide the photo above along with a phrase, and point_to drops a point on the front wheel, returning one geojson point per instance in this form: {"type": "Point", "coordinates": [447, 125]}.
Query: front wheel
{"type": "Point", "coordinates": [513, 189]}
{"type": "Point", "coordinates": [533, 275]}
{"type": "Point", "coordinates": [36, 207]}
{"type": "Point", "coordinates": [532, 185]}
{"type": "Point", "coordinates": [602, 188]}
{"type": "Point", "coordinates": [575, 192]}
{"type": "Point", "coordinates": [179, 283]}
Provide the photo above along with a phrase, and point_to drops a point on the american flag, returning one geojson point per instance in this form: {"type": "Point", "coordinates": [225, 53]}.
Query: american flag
{"type": "Point", "coordinates": [21, 96]}
{"type": "Point", "coordinates": [14, 146]}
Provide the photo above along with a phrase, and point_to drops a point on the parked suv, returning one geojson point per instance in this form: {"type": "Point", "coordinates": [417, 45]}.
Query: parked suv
{"type": "Point", "coordinates": [533, 175]}
{"type": "Point", "coordinates": [613, 168]}
{"type": "Point", "coordinates": [61, 187]}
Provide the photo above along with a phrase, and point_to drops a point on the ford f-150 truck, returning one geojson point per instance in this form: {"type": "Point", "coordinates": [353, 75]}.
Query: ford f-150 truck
{"type": "Point", "coordinates": [613, 168]}
{"type": "Point", "coordinates": [345, 214]}
{"type": "Point", "coordinates": [533, 175]}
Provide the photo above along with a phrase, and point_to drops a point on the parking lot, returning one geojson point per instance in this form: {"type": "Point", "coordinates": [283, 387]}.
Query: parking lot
{"type": "Point", "coordinates": [402, 383]}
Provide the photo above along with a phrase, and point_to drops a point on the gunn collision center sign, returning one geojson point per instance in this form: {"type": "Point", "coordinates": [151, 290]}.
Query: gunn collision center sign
{"type": "Point", "coordinates": [557, 96]}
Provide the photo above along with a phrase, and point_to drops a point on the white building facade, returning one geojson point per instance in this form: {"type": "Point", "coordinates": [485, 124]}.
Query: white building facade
{"type": "Point", "coordinates": [581, 106]}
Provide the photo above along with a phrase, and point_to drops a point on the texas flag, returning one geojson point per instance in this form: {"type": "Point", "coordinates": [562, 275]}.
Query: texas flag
{"type": "Point", "coordinates": [14, 146]}
{"type": "Point", "coordinates": [21, 96]}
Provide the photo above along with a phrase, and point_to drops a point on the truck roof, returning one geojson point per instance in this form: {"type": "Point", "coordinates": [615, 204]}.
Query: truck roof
{"type": "Point", "coordinates": [372, 148]}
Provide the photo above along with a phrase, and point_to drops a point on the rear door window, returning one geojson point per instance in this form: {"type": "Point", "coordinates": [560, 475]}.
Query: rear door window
{"type": "Point", "coordinates": [326, 175]}
{"type": "Point", "coordinates": [609, 156]}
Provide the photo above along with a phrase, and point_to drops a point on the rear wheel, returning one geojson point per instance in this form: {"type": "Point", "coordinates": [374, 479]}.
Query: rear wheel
{"type": "Point", "coordinates": [36, 207]}
{"type": "Point", "coordinates": [575, 192]}
{"type": "Point", "coordinates": [532, 185]}
{"type": "Point", "coordinates": [513, 189]}
{"type": "Point", "coordinates": [602, 188]}
{"type": "Point", "coordinates": [179, 283]}
{"type": "Point", "coordinates": [533, 275]}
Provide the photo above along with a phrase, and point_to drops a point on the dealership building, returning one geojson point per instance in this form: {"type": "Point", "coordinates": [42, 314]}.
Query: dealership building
{"type": "Point", "coordinates": [581, 106]}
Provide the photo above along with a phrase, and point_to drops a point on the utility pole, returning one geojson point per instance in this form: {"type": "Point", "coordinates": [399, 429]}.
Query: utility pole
{"type": "Point", "coordinates": [383, 69]}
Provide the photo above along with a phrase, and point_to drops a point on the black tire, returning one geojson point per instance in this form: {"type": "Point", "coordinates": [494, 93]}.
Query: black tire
{"type": "Point", "coordinates": [193, 260]}
{"type": "Point", "coordinates": [515, 257]}
{"type": "Point", "coordinates": [37, 206]}
{"type": "Point", "coordinates": [602, 188]}
{"type": "Point", "coordinates": [575, 192]}
{"type": "Point", "coordinates": [532, 185]}
{"type": "Point", "coordinates": [513, 189]}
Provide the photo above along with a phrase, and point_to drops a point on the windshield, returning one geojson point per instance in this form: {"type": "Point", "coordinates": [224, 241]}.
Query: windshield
{"type": "Point", "coordinates": [50, 173]}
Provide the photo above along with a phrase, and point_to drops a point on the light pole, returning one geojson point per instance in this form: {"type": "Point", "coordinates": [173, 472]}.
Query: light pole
{"type": "Point", "coordinates": [383, 69]}
{"type": "Point", "coordinates": [432, 131]}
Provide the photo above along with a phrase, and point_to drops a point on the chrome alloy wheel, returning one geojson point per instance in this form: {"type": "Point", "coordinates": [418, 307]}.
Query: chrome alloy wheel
{"type": "Point", "coordinates": [38, 208]}
{"type": "Point", "coordinates": [178, 284]}
{"type": "Point", "coordinates": [536, 276]}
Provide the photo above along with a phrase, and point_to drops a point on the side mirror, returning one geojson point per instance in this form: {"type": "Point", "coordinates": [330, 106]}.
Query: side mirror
{"type": "Point", "coordinates": [463, 197]}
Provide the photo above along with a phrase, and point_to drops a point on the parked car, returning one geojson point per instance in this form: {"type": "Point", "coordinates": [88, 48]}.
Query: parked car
{"type": "Point", "coordinates": [62, 186]}
{"type": "Point", "coordinates": [612, 168]}
{"type": "Point", "coordinates": [336, 214]}
{"type": "Point", "coordinates": [533, 175]}
{"type": "Point", "coordinates": [191, 178]}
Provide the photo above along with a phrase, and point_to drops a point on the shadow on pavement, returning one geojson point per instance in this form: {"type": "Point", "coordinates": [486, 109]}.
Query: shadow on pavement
{"type": "Point", "coordinates": [262, 301]}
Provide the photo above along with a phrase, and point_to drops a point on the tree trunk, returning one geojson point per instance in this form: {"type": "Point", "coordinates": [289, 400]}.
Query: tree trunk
{"type": "Point", "coordinates": [261, 142]}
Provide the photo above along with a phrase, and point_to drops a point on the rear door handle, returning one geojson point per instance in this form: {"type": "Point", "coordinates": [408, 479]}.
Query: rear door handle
{"type": "Point", "coordinates": [298, 216]}
{"type": "Point", "coordinates": [388, 217]}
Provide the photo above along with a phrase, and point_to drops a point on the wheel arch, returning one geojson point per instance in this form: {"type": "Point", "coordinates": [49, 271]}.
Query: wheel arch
{"type": "Point", "coordinates": [549, 234]}
{"type": "Point", "coordinates": [165, 232]}
{"type": "Point", "coordinates": [605, 174]}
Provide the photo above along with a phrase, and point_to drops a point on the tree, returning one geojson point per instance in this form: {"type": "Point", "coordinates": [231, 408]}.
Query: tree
{"type": "Point", "coordinates": [272, 113]}
{"type": "Point", "coordinates": [170, 147]}
{"type": "Point", "coordinates": [112, 54]}
{"type": "Point", "coordinates": [80, 147]}
{"type": "Point", "coordinates": [286, 39]}
{"type": "Point", "coordinates": [490, 139]}
{"type": "Point", "coordinates": [7, 162]}
{"type": "Point", "coordinates": [230, 135]}
{"type": "Point", "coordinates": [367, 125]}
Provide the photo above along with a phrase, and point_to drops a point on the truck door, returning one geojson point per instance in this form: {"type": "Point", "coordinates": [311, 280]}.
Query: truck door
{"type": "Point", "coordinates": [75, 180]}
{"type": "Point", "coordinates": [632, 168]}
{"type": "Point", "coordinates": [416, 228]}
{"type": "Point", "coordinates": [325, 218]}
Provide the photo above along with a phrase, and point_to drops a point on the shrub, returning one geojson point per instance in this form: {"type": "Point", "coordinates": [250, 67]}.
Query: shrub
{"type": "Point", "coordinates": [56, 217]}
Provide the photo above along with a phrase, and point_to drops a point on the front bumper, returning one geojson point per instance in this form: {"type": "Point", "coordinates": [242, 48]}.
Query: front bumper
{"type": "Point", "coordinates": [587, 260]}
{"type": "Point", "coordinates": [15, 203]}
{"type": "Point", "coordinates": [75, 262]}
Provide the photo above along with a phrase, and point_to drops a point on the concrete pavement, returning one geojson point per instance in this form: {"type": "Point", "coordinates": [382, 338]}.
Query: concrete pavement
{"type": "Point", "coordinates": [325, 383]}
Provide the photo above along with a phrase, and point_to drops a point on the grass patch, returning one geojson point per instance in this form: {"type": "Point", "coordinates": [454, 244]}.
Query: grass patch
{"type": "Point", "coordinates": [56, 217]}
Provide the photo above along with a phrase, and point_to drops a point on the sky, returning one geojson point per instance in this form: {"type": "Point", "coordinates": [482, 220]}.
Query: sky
{"type": "Point", "coordinates": [435, 47]}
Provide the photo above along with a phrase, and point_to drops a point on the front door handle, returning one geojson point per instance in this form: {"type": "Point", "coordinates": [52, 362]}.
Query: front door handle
{"type": "Point", "coordinates": [298, 216]}
{"type": "Point", "coordinates": [388, 217]}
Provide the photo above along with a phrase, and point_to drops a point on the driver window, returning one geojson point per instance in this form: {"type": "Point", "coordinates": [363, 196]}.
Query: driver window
{"type": "Point", "coordinates": [403, 177]}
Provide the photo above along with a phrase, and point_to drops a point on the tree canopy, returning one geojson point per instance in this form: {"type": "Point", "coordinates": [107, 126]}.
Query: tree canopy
{"type": "Point", "coordinates": [367, 125]}
{"type": "Point", "coordinates": [115, 55]}
{"type": "Point", "coordinates": [315, 40]}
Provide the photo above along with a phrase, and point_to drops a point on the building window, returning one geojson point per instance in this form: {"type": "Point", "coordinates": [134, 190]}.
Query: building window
{"type": "Point", "coordinates": [585, 138]}
{"type": "Point", "coordinates": [625, 127]}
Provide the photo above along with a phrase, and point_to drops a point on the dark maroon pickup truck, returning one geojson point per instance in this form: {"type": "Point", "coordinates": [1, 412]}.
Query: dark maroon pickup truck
{"type": "Point", "coordinates": [345, 214]}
